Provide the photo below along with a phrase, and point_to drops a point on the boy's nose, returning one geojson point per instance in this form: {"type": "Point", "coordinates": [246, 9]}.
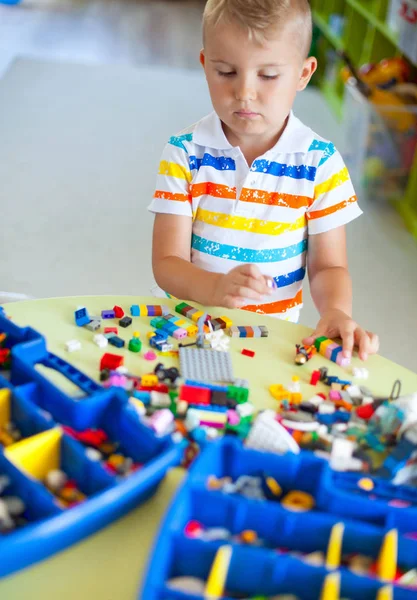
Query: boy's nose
{"type": "Point", "coordinates": [245, 92]}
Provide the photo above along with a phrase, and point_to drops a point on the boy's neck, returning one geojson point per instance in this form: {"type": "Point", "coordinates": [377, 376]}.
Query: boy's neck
{"type": "Point", "coordinates": [253, 146]}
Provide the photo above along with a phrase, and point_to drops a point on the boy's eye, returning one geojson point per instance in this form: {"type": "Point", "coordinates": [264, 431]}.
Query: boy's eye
{"type": "Point", "coordinates": [269, 77]}
{"type": "Point", "coordinates": [226, 73]}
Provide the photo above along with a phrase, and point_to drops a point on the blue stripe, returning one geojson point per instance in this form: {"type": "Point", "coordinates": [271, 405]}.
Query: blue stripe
{"type": "Point", "coordinates": [327, 153]}
{"type": "Point", "coordinates": [282, 170]}
{"type": "Point", "coordinates": [220, 163]}
{"type": "Point", "coordinates": [318, 145]}
{"type": "Point", "coordinates": [177, 140]}
{"type": "Point", "coordinates": [246, 255]}
{"type": "Point", "coordinates": [289, 278]}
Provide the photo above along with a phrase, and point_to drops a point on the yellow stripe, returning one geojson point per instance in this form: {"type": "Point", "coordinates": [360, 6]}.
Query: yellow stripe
{"type": "Point", "coordinates": [174, 170]}
{"type": "Point", "coordinates": [249, 225]}
{"type": "Point", "coordinates": [335, 181]}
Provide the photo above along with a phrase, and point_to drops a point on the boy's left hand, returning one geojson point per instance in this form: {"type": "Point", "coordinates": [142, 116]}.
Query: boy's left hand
{"type": "Point", "coordinates": [335, 323]}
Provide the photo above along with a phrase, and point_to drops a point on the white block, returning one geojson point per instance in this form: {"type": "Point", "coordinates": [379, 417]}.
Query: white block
{"type": "Point", "coordinates": [72, 345]}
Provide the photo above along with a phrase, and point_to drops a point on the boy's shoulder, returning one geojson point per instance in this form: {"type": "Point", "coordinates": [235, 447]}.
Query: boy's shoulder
{"type": "Point", "coordinates": [207, 132]}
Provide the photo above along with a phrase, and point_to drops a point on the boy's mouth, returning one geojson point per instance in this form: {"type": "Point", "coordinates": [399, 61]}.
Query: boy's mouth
{"type": "Point", "coordinates": [246, 114]}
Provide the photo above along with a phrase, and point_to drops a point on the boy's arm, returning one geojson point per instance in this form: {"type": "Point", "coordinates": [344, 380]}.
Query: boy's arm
{"type": "Point", "coordinates": [331, 290]}
{"type": "Point", "coordinates": [174, 272]}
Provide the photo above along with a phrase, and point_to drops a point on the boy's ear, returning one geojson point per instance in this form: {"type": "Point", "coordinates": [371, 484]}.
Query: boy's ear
{"type": "Point", "coordinates": [202, 58]}
{"type": "Point", "coordinates": [309, 68]}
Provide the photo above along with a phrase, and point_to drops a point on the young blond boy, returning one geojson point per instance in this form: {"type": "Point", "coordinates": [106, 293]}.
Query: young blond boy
{"type": "Point", "coordinates": [243, 192]}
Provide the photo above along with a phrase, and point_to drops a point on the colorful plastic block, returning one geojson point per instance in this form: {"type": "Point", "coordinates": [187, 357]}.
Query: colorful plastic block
{"type": "Point", "coordinates": [119, 312]}
{"type": "Point", "coordinates": [107, 314]}
{"type": "Point", "coordinates": [81, 316]}
{"type": "Point", "coordinates": [111, 361]}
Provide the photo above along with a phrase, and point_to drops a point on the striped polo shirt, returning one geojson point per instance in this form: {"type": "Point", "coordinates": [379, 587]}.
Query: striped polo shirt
{"type": "Point", "coordinates": [261, 213]}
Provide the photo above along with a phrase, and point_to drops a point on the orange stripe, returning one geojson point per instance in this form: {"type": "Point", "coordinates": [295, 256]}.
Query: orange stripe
{"type": "Point", "coordinates": [216, 190]}
{"type": "Point", "coordinates": [170, 196]}
{"type": "Point", "coordinates": [275, 198]}
{"type": "Point", "coordinates": [317, 214]}
{"type": "Point", "coordinates": [280, 306]}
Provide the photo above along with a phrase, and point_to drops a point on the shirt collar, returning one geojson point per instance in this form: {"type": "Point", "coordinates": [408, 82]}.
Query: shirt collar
{"type": "Point", "coordinates": [296, 136]}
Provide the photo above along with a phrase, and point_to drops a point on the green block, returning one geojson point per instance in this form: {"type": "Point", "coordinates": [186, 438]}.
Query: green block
{"type": "Point", "coordinates": [318, 342]}
{"type": "Point", "coordinates": [242, 429]}
{"type": "Point", "coordinates": [180, 307]}
{"type": "Point", "coordinates": [135, 345]}
{"type": "Point", "coordinates": [240, 394]}
{"type": "Point", "coordinates": [173, 394]}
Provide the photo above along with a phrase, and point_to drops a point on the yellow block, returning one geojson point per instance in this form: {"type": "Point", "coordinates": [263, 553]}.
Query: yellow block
{"type": "Point", "coordinates": [334, 549]}
{"type": "Point", "coordinates": [196, 316]}
{"type": "Point", "coordinates": [5, 396]}
{"type": "Point", "coordinates": [216, 581]}
{"type": "Point", "coordinates": [143, 310]}
{"type": "Point", "coordinates": [191, 330]}
{"type": "Point", "coordinates": [149, 380]}
{"type": "Point", "coordinates": [228, 321]}
{"type": "Point", "coordinates": [331, 587]}
{"type": "Point", "coordinates": [180, 322]}
{"type": "Point", "coordinates": [39, 454]}
{"type": "Point", "coordinates": [385, 593]}
{"type": "Point", "coordinates": [210, 416]}
{"type": "Point", "coordinates": [324, 345]}
{"type": "Point", "coordinates": [279, 392]}
{"type": "Point", "coordinates": [387, 560]}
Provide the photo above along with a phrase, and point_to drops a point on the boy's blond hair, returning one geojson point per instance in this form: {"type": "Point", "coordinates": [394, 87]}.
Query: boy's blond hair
{"type": "Point", "coordinates": [262, 17]}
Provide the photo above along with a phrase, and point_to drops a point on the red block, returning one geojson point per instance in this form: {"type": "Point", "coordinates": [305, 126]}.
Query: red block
{"type": "Point", "coordinates": [195, 395]}
{"type": "Point", "coordinates": [159, 387]}
{"type": "Point", "coordinates": [111, 361]}
{"type": "Point", "coordinates": [247, 352]}
{"type": "Point", "coordinates": [4, 355]}
{"type": "Point", "coordinates": [111, 330]}
{"type": "Point", "coordinates": [118, 311]}
{"type": "Point", "coordinates": [315, 377]}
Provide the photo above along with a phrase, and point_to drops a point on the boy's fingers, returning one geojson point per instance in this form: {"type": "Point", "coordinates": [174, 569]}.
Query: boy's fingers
{"type": "Point", "coordinates": [312, 338]}
{"type": "Point", "coordinates": [251, 271]}
{"type": "Point", "coordinates": [348, 343]}
{"type": "Point", "coordinates": [257, 285]}
{"type": "Point", "coordinates": [242, 291]}
{"type": "Point", "coordinates": [374, 342]}
{"type": "Point", "coordinates": [363, 342]}
{"type": "Point", "coordinates": [234, 302]}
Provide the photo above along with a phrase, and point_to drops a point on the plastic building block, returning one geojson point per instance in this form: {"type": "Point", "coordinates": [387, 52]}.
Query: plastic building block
{"type": "Point", "coordinates": [315, 377]}
{"type": "Point", "coordinates": [118, 312]}
{"type": "Point", "coordinates": [107, 314]}
{"type": "Point", "coordinates": [81, 316]}
{"type": "Point", "coordinates": [205, 365]}
{"type": "Point", "coordinates": [387, 560]}
{"type": "Point", "coordinates": [111, 330]}
{"type": "Point", "coordinates": [134, 310]}
{"type": "Point", "coordinates": [72, 345]}
{"type": "Point", "coordinates": [116, 341]}
{"type": "Point", "coordinates": [93, 325]}
{"type": "Point", "coordinates": [248, 332]}
{"type": "Point", "coordinates": [195, 395]}
{"type": "Point", "coordinates": [135, 345]}
{"type": "Point", "coordinates": [100, 340]}
{"type": "Point", "coordinates": [111, 361]}
{"type": "Point", "coordinates": [125, 321]}
{"type": "Point", "coordinates": [324, 346]}
{"type": "Point", "coordinates": [247, 352]}
{"type": "Point", "coordinates": [150, 355]}
{"type": "Point", "coordinates": [360, 373]}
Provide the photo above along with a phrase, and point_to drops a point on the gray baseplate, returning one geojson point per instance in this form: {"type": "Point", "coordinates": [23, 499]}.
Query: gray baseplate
{"type": "Point", "coordinates": [202, 364]}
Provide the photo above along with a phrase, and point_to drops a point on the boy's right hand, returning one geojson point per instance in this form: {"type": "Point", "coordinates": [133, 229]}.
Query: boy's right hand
{"type": "Point", "coordinates": [244, 284]}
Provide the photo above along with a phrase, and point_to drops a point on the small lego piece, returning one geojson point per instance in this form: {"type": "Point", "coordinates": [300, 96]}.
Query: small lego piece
{"type": "Point", "coordinates": [360, 373]}
{"type": "Point", "coordinates": [107, 314]}
{"type": "Point", "coordinates": [366, 484]}
{"type": "Point", "coordinates": [303, 354]}
{"type": "Point", "coordinates": [135, 345]}
{"type": "Point", "coordinates": [119, 312]}
{"type": "Point", "coordinates": [247, 352]}
{"type": "Point", "coordinates": [93, 325]}
{"type": "Point", "coordinates": [125, 321]}
{"type": "Point", "coordinates": [100, 340]}
{"type": "Point", "coordinates": [116, 341]}
{"type": "Point", "coordinates": [294, 386]}
{"type": "Point", "coordinates": [315, 377]}
{"type": "Point", "coordinates": [298, 501]}
{"type": "Point", "coordinates": [268, 435]}
{"type": "Point", "coordinates": [72, 345]}
{"type": "Point", "coordinates": [248, 331]}
{"type": "Point", "coordinates": [336, 354]}
{"type": "Point", "coordinates": [81, 316]}
{"type": "Point", "coordinates": [150, 355]}
{"type": "Point", "coordinates": [111, 361]}
{"type": "Point", "coordinates": [134, 310]}
{"type": "Point", "coordinates": [136, 334]}
{"type": "Point", "coordinates": [111, 330]}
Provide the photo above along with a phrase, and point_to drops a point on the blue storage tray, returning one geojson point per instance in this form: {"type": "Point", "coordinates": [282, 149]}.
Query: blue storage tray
{"type": "Point", "coordinates": [37, 405]}
{"type": "Point", "coordinates": [259, 570]}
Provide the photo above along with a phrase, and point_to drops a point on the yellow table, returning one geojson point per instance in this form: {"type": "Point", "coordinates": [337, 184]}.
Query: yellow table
{"type": "Point", "coordinates": [110, 564]}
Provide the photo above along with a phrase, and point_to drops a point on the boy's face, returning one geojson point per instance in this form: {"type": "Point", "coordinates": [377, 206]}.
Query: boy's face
{"type": "Point", "coordinates": [253, 87]}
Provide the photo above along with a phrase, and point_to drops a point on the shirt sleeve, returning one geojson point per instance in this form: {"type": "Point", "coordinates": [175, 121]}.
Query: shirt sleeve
{"type": "Point", "coordinates": [335, 202]}
{"type": "Point", "coordinates": [172, 194]}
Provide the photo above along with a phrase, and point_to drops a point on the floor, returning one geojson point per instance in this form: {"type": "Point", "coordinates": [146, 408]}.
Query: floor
{"type": "Point", "coordinates": [84, 116]}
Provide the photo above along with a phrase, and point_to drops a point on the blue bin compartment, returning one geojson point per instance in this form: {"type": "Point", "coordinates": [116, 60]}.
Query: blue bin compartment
{"type": "Point", "coordinates": [176, 554]}
{"type": "Point", "coordinates": [39, 405]}
{"type": "Point", "coordinates": [15, 335]}
{"type": "Point", "coordinates": [27, 417]}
